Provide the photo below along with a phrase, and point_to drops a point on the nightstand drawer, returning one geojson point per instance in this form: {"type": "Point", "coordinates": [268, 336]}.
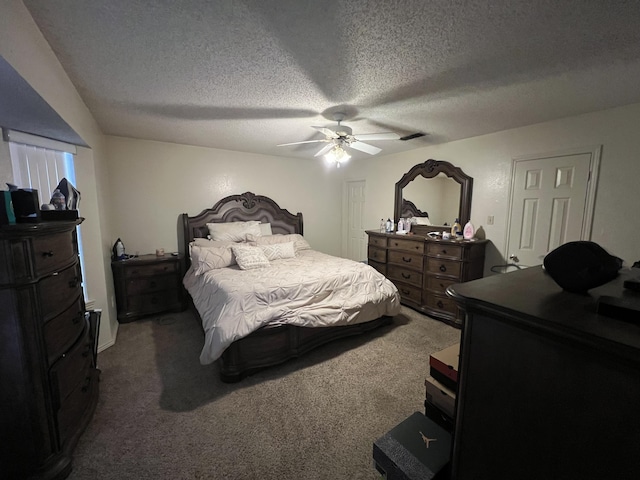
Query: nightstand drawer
{"type": "Point", "coordinates": [409, 292]}
{"type": "Point", "coordinates": [154, 302]}
{"type": "Point", "coordinates": [58, 290]}
{"type": "Point", "coordinates": [132, 271]}
{"type": "Point", "coordinates": [74, 367]}
{"type": "Point", "coordinates": [149, 284]}
{"type": "Point", "coordinates": [62, 331]}
{"type": "Point", "coordinates": [442, 303]}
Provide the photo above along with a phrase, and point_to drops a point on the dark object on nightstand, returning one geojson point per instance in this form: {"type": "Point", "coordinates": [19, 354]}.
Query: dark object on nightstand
{"type": "Point", "coordinates": [625, 308]}
{"type": "Point", "coordinates": [415, 449]}
{"type": "Point", "coordinates": [580, 266]}
{"type": "Point", "coordinates": [148, 285]}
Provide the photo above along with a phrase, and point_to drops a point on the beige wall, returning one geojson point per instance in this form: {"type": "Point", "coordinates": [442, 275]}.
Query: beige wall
{"type": "Point", "coordinates": [152, 183]}
{"type": "Point", "coordinates": [488, 160]}
{"type": "Point", "coordinates": [24, 47]}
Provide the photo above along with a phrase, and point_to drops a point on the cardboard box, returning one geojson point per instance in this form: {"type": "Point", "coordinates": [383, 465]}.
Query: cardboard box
{"type": "Point", "coordinates": [443, 366]}
{"type": "Point", "coordinates": [415, 449]}
{"type": "Point", "coordinates": [440, 396]}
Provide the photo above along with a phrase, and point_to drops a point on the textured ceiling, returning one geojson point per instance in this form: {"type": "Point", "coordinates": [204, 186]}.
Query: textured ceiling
{"type": "Point", "coordinates": [250, 74]}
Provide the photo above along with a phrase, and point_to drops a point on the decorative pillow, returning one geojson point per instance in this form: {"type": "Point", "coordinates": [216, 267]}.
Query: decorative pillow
{"type": "Point", "coordinates": [208, 258]}
{"type": "Point", "coordinates": [299, 243]}
{"type": "Point", "coordinates": [265, 229]}
{"type": "Point", "coordinates": [206, 242]}
{"type": "Point", "coordinates": [278, 250]}
{"type": "Point", "coordinates": [233, 231]}
{"type": "Point", "coordinates": [249, 257]}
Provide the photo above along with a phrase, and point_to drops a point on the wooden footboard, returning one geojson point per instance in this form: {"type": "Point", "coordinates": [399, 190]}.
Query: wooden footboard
{"type": "Point", "coordinates": [273, 345]}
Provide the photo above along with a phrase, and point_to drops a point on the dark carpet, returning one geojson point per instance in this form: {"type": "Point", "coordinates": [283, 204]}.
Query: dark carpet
{"type": "Point", "coordinates": [162, 415]}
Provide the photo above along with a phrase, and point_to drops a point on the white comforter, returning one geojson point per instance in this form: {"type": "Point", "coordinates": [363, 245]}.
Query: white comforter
{"type": "Point", "coordinates": [312, 290]}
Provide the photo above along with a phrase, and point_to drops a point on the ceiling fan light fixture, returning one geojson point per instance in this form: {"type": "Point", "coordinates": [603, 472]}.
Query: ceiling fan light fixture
{"type": "Point", "coordinates": [337, 155]}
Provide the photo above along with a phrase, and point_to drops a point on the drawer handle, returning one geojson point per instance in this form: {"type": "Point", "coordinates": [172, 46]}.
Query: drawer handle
{"type": "Point", "coordinates": [405, 292]}
{"type": "Point", "coordinates": [48, 254]}
{"type": "Point", "coordinates": [87, 383]}
{"type": "Point", "coordinates": [73, 283]}
{"type": "Point", "coordinates": [444, 252]}
{"type": "Point", "coordinates": [440, 304]}
{"type": "Point", "coordinates": [87, 351]}
{"type": "Point", "coordinates": [443, 268]}
{"type": "Point", "coordinates": [408, 260]}
{"type": "Point", "coordinates": [442, 285]}
{"type": "Point", "coordinates": [404, 275]}
{"type": "Point", "coordinates": [77, 318]}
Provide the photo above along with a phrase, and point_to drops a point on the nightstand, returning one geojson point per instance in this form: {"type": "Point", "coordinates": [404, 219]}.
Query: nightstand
{"type": "Point", "coordinates": [148, 285]}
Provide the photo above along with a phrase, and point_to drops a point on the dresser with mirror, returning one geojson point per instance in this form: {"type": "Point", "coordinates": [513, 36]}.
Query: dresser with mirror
{"type": "Point", "coordinates": [420, 263]}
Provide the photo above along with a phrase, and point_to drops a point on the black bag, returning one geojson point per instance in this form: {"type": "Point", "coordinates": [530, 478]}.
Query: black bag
{"type": "Point", "coordinates": [580, 266]}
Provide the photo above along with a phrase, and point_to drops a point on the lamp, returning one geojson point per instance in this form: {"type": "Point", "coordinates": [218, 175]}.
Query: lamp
{"type": "Point", "coordinates": [337, 155]}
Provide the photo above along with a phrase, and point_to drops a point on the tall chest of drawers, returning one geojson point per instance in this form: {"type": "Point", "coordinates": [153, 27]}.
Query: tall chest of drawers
{"type": "Point", "coordinates": [48, 374]}
{"type": "Point", "coordinates": [422, 268]}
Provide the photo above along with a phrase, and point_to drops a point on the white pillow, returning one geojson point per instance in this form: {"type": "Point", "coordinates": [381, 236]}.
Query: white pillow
{"type": "Point", "coordinates": [208, 258]}
{"type": "Point", "coordinates": [233, 231]}
{"type": "Point", "coordinates": [206, 242]}
{"type": "Point", "coordinates": [299, 242]}
{"type": "Point", "coordinates": [249, 257]}
{"type": "Point", "coordinates": [278, 250]}
{"type": "Point", "coordinates": [265, 229]}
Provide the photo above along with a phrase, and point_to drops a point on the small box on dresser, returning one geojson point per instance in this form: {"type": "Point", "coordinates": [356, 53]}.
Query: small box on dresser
{"type": "Point", "coordinates": [147, 285]}
{"type": "Point", "coordinates": [48, 373]}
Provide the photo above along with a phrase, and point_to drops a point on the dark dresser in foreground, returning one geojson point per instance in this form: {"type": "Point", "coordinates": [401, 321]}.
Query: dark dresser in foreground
{"type": "Point", "coordinates": [48, 374]}
{"type": "Point", "coordinates": [148, 285]}
{"type": "Point", "coordinates": [547, 387]}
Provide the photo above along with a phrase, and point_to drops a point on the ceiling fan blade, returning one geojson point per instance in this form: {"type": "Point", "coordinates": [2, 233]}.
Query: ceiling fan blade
{"type": "Point", "coordinates": [378, 136]}
{"type": "Point", "coordinates": [326, 131]}
{"type": "Point", "coordinates": [299, 143]}
{"type": "Point", "coordinates": [365, 147]}
{"type": "Point", "coordinates": [324, 150]}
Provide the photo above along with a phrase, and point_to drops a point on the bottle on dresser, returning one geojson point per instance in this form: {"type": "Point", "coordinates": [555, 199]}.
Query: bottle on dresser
{"type": "Point", "coordinates": [456, 230]}
{"type": "Point", "coordinates": [383, 226]}
{"type": "Point", "coordinates": [389, 226]}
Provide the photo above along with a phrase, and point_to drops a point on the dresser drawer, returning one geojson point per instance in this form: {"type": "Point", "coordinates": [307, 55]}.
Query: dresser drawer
{"type": "Point", "coordinates": [444, 267]}
{"type": "Point", "coordinates": [72, 369]}
{"type": "Point", "coordinates": [150, 270]}
{"type": "Point", "coordinates": [53, 252]}
{"type": "Point", "coordinates": [378, 241]}
{"type": "Point", "coordinates": [406, 259]}
{"type": "Point", "coordinates": [416, 246]}
{"type": "Point", "coordinates": [58, 291]}
{"type": "Point", "coordinates": [446, 250]}
{"type": "Point", "coordinates": [377, 254]}
{"type": "Point", "coordinates": [442, 303]}
{"type": "Point", "coordinates": [145, 284]}
{"type": "Point", "coordinates": [381, 267]}
{"type": "Point", "coordinates": [63, 330]}
{"type": "Point", "coordinates": [402, 274]}
{"type": "Point", "coordinates": [408, 292]}
{"type": "Point", "coordinates": [439, 284]}
{"type": "Point", "coordinates": [74, 407]}
{"type": "Point", "coordinates": [154, 302]}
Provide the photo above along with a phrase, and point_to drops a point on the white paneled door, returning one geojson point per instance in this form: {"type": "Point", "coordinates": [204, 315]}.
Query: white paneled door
{"type": "Point", "coordinates": [551, 203]}
{"type": "Point", "coordinates": [356, 238]}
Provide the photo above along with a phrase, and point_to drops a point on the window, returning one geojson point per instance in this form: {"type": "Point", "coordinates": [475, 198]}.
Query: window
{"type": "Point", "coordinates": [40, 163]}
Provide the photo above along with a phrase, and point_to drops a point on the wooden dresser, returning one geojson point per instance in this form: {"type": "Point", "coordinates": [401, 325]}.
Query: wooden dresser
{"type": "Point", "coordinates": [547, 387]}
{"type": "Point", "coordinates": [422, 268]}
{"type": "Point", "coordinates": [48, 374]}
{"type": "Point", "coordinates": [147, 285]}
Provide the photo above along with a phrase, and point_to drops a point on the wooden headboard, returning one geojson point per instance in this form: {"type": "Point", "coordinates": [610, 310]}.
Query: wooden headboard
{"type": "Point", "coordinates": [237, 208]}
{"type": "Point", "coordinates": [409, 210]}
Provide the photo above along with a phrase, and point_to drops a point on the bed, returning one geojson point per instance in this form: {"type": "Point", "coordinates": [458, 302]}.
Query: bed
{"type": "Point", "coordinates": [258, 317]}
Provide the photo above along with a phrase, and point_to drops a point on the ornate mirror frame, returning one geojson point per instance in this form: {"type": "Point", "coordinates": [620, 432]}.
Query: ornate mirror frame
{"type": "Point", "coordinates": [430, 169]}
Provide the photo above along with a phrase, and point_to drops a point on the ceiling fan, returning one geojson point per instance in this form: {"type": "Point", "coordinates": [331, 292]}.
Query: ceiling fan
{"type": "Point", "coordinates": [340, 137]}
